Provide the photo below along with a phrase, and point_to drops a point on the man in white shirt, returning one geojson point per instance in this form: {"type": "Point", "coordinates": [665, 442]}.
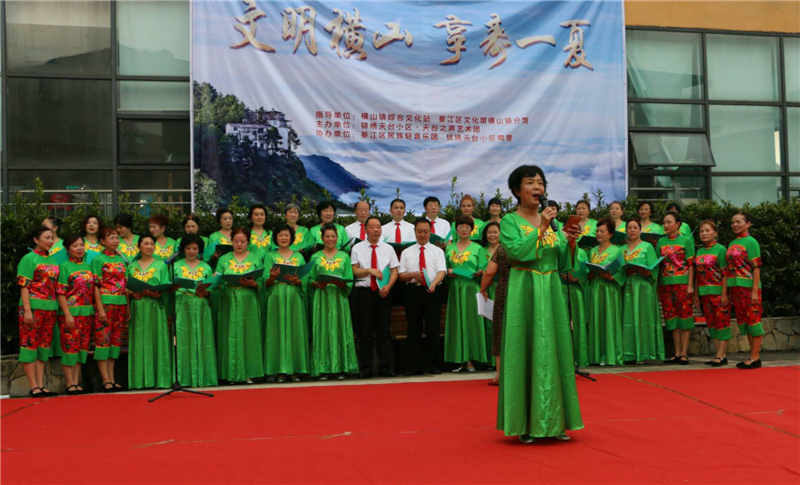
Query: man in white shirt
{"type": "Point", "coordinates": [439, 226]}
{"type": "Point", "coordinates": [422, 269]}
{"type": "Point", "coordinates": [372, 303]}
{"type": "Point", "coordinates": [359, 229]}
{"type": "Point", "coordinates": [398, 231]}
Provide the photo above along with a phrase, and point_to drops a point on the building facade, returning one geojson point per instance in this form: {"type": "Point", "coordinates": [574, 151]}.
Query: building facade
{"type": "Point", "coordinates": [96, 95]}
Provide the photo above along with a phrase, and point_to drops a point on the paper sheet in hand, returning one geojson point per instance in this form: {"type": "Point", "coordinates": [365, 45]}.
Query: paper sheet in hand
{"type": "Point", "coordinates": [233, 279]}
{"type": "Point", "coordinates": [138, 286]}
{"type": "Point", "coordinates": [288, 269]}
{"type": "Point", "coordinates": [485, 307]}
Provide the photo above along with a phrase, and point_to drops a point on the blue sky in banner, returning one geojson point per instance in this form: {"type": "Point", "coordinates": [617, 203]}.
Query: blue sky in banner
{"type": "Point", "coordinates": [576, 116]}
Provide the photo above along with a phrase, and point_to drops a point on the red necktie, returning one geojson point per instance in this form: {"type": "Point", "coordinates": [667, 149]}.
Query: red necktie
{"type": "Point", "coordinates": [363, 235]}
{"type": "Point", "coordinates": [422, 264]}
{"type": "Point", "coordinates": [373, 282]}
{"type": "Point", "coordinates": [397, 237]}
{"type": "Point", "coordinates": [433, 227]}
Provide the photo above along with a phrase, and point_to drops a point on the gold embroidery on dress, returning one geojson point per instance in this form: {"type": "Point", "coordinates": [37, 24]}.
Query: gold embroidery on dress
{"type": "Point", "coordinates": [192, 274]}
{"type": "Point", "coordinates": [330, 264]}
{"type": "Point", "coordinates": [459, 258]}
{"type": "Point", "coordinates": [630, 256]}
{"type": "Point", "coordinates": [239, 268]}
{"type": "Point", "coordinates": [143, 275]}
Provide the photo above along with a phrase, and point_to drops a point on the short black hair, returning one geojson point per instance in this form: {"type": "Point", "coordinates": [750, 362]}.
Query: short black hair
{"type": "Point", "coordinates": [465, 220]}
{"type": "Point", "coordinates": [495, 201]}
{"type": "Point", "coordinates": [519, 173]}
{"type": "Point", "coordinates": [484, 241]}
{"type": "Point", "coordinates": [676, 215]}
{"type": "Point", "coordinates": [327, 227]}
{"type": "Point", "coordinates": [609, 223]}
{"type": "Point", "coordinates": [257, 206]}
{"type": "Point", "coordinates": [55, 221]}
{"type": "Point", "coordinates": [70, 240]}
{"type": "Point", "coordinates": [397, 200]}
{"type": "Point", "coordinates": [743, 214]}
{"type": "Point", "coordinates": [38, 231]}
{"type": "Point", "coordinates": [674, 207]}
{"type": "Point", "coordinates": [220, 212]}
{"type": "Point", "coordinates": [583, 201]}
{"type": "Point", "coordinates": [124, 220]}
{"type": "Point", "coordinates": [422, 220]}
{"type": "Point", "coordinates": [85, 221]}
{"type": "Point", "coordinates": [241, 230]}
{"type": "Point", "coordinates": [143, 237]}
{"type": "Point", "coordinates": [646, 203]}
{"type": "Point", "coordinates": [321, 206]}
{"type": "Point", "coordinates": [430, 198]}
{"type": "Point", "coordinates": [366, 223]}
{"type": "Point", "coordinates": [285, 227]}
{"type": "Point", "coordinates": [192, 239]}
{"type": "Point", "coordinates": [552, 203]}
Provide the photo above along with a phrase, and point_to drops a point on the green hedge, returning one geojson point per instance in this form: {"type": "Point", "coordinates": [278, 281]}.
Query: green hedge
{"type": "Point", "coordinates": [776, 226]}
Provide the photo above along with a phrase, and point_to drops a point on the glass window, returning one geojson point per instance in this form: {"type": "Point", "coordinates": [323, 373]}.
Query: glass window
{"type": "Point", "coordinates": [741, 190]}
{"type": "Point", "coordinates": [671, 149]}
{"type": "Point", "coordinates": [159, 142]}
{"type": "Point", "coordinates": [153, 96]}
{"type": "Point", "coordinates": [791, 56]}
{"type": "Point", "coordinates": [793, 130]}
{"type": "Point", "coordinates": [745, 138]}
{"type": "Point", "coordinates": [665, 115]}
{"type": "Point", "coordinates": [168, 187]}
{"type": "Point", "coordinates": [62, 123]}
{"type": "Point", "coordinates": [794, 188]}
{"type": "Point", "coordinates": [153, 38]}
{"type": "Point", "coordinates": [59, 37]}
{"type": "Point", "coordinates": [742, 67]}
{"type": "Point", "coordinates": [64, 189]}
{"type": "Point", "coordinates": [664, 65]}
{"type": "Point", "coordinates": [681, 188]}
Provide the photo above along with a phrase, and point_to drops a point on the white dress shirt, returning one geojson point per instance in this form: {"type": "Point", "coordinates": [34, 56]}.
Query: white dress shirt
{"type": "Point", "coordinates": [442, 227]}
{"type": "Point", "coordinates": [406, 232]}
{"type": "Point", "coordinates": [354, 230]}
{"type": "Point", "coordinates": [434, 261]}
{"type": "Point", "coordinates": [362, 256]}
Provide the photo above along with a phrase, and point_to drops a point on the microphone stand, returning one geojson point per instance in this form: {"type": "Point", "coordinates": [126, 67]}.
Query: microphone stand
{"type": "Point", "coordinates": [176, 386]}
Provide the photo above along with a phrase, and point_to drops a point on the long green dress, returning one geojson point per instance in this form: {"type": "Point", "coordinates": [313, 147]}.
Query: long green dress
{"type": "Point", "coordinates": [605, 311]}
{"type": "Point", "coordinates": [642, 337]}
{"type": "Point", "coordinates": [492, 292]}
{"type": "Point", "coordinates": [239, 341]}
{"type": "Point", "coordinates": [149, 349]}
{"type": "Point", "coordinates": [316, 236]}
{"type": "Point", "coordinates": [197, 354]}
{"type": "Point", "coordinates": [537, 394]}
{"type": "Point", "coordinates": [129, 251]}
{"type": "Point", "coordinates": [475, 235]}
{"type": "Point", "coordinates": [575, 294]}
{"type": "Point", "coordinates": [333, 347]}
{"type": "Point", "coordinates": [215, 239]}
{"type": "Point", "coordinates": [260, 245]}
{"type": "Point", "coordinates": [166, 251]}
{"type": "Point", "coordinates": [286, 339]}
{"type": "Point", "coordinates": [464, 332]}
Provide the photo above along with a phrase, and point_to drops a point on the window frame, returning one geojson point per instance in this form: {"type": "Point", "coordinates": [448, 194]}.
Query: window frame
{"type": "Point", "coordinates": [785, 174]}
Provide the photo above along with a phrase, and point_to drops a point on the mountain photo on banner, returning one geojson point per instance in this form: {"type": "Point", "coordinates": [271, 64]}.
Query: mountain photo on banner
{"type": "Point", "coordinates": [331, 98]}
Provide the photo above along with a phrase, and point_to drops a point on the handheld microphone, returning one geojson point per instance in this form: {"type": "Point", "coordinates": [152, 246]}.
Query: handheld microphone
{"type": "Point", "coordinates": [544, 203]}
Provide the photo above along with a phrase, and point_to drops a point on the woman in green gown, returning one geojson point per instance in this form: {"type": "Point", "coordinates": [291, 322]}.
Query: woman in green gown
{"type": "Point", "coordinates": [467, 207]}
{"type": "Point", "coordinates": [642, 337]}
{"type": "Point", "coordinates": [194, 327]}
{"type": "Point", "coordinates": [575, 286]}
{"type": "Point", "coordinates": [220, 237]}
{"type": "Point", "coordinates": [464, 333]}
{"type": "Point", "coordinates": [605, 304]}
{"type": "Point", "coordinates": [645, 211]}
{"type": "Point", "coordinates": [537, 393]}
{"type": "Point", "coordinates": [286, 339]}
{"type": "Point", "coordinates": [490, 240]}
{"type": "Point", "coordinates": [615, 212]}
{"type": "Point", "coordinates": [191, 225]}
{"type": "Point", "coordinates": [333, 348]}
{"type": "Point", "coordinates": [301, 234]}
{"type": "Point", "coordinates": [166, 247]}
{"type": "Point", "coordinates": [326, 213]}
{"type": "Point", "coordinates": [128, 241]}
{"type": "Point", "coordinates": [587, 225]}
{"type": "Point", "coordinates": [260, 237]}
{"type": "Point", "coordinates": [239, 346]}
{"type": "Point", "coordinates": [90, 230]}
{"type": "Point", "coordinates": [149, 349]}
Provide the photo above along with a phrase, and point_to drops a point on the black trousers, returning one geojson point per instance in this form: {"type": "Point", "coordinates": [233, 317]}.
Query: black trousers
{"type": "Point", "coordinates": [372, 320]}
{"type": "Point", "coordinates": [423, 309]}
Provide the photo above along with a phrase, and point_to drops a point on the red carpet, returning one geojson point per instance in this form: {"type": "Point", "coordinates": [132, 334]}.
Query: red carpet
{"type": "Point", "coordinates": [715, 426]}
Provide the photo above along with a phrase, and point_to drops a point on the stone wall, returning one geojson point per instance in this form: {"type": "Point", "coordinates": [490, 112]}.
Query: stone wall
{"type": "Point", "coordinates": [14, 382]}
{"type": "Point", "coordinates": [780, 333]}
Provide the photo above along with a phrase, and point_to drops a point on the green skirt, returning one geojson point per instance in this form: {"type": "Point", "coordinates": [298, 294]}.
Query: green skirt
{"type": "Point", "coordinates": [465, 330]}
{"type": "Point", "coordinates": [149, 349]}
{"type": "Point", "coordinates": [239, 321]}
{"type": "Point", "coordinates": [197, 355]}
{"type": "Point", "coordinates": [576, 301]}
{"type": "Point", "coordinates": [642, 336]}
{"type": "Point", "coordinates": [605, 323]}
{"type": "Point", "coordinates": [334, 350]}
{"type": "Point", "coordinates": [286, 340]}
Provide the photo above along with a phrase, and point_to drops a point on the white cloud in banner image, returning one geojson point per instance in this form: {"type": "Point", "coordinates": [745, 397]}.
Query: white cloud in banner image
{"type": "Point", "coordinates": [576, 124]}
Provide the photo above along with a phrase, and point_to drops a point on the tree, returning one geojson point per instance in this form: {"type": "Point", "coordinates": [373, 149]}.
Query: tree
{"type": "Point", "coordinates": [293, 141]}
{"type": "Point", "coordinates": [274, 139]}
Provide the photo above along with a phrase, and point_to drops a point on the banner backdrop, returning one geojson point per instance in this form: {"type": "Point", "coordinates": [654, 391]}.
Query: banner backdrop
{"type": "Point", "coordinates": [302, 98]}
